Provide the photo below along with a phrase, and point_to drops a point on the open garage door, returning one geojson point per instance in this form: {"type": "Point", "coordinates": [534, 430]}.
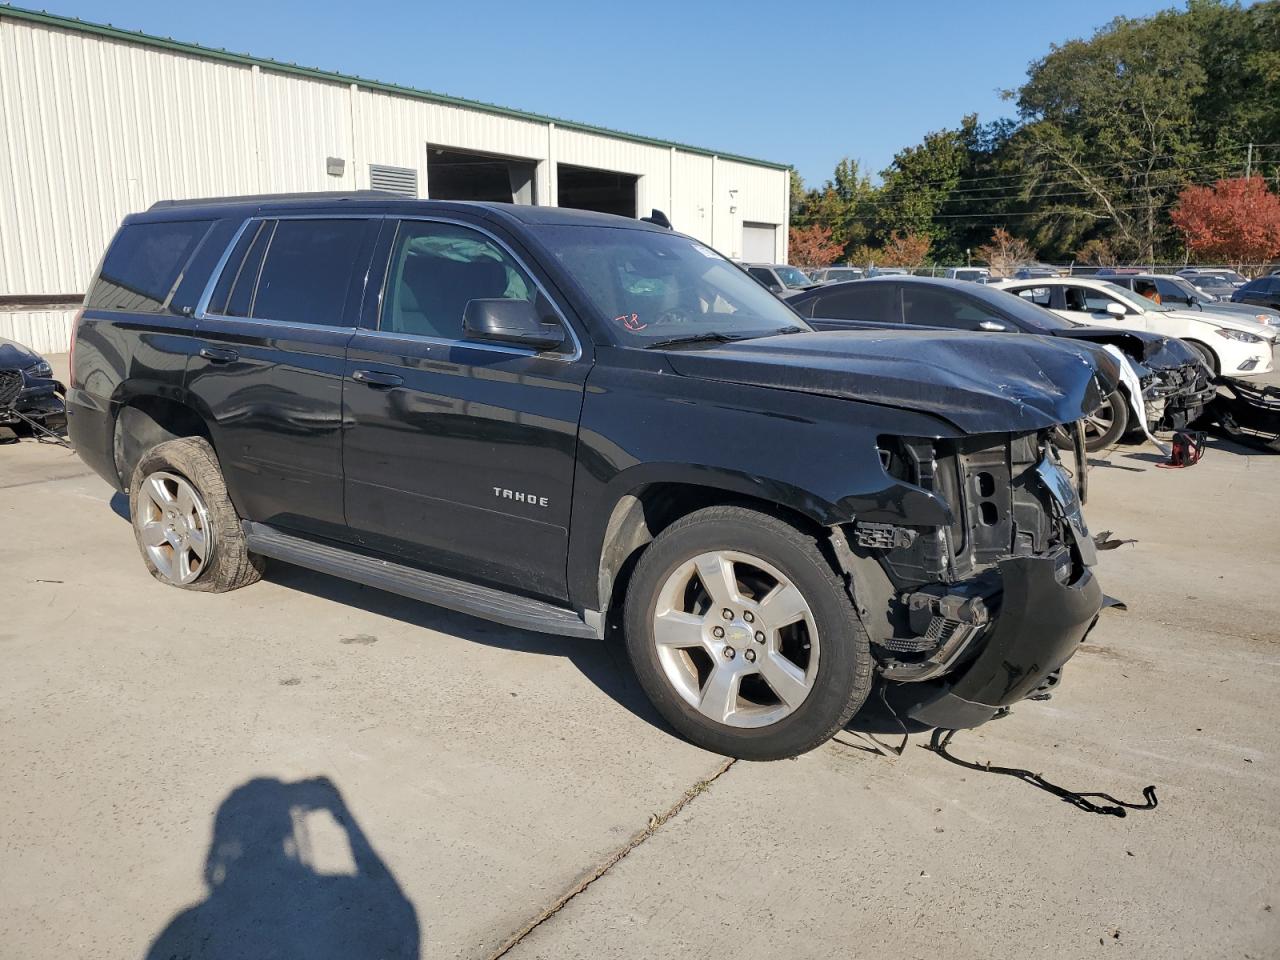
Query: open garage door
{"type": "Point", "coordinates": [463, 175]}
{"type": "Point", "coordinates": [758, 242]}
{"type": "Point", "coordinates": [604, 191]}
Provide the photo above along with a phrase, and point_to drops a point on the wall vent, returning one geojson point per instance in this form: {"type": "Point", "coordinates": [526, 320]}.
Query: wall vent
{"type": "Point", "coordinates": [401, 180]}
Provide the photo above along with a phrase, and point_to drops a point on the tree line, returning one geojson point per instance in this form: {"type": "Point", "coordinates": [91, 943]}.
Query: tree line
{"type": "Point", "coordinates": [1111, 133]}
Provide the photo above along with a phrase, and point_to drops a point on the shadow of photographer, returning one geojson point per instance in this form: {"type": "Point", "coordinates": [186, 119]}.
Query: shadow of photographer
{"type": "Point", "coordinates": [290, 874]}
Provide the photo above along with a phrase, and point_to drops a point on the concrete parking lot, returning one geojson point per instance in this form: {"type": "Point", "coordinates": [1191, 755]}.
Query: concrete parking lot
{"type": "Point", "coordinates": [332, 771]}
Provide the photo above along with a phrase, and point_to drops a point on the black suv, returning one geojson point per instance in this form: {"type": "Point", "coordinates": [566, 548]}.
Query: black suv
{"type": "Point", "coordinates": [572, 422]}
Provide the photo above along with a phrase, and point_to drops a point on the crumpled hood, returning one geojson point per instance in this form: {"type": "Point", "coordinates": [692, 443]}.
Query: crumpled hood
{"type": "Point", "coordinates": [14, 356]}
{"type": "Point", "coordinates": [1153, 350]}
{"type": "Point", "coordinates": [979, 383]}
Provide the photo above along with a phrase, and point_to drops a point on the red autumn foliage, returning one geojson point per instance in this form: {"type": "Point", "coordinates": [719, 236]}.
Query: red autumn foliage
{"type": "Point", "coordinates": [908, 250]}
{"type": "Point", "coordinates": [812, 247]}
{"type": "Point", "coordinates": [1234, 221]}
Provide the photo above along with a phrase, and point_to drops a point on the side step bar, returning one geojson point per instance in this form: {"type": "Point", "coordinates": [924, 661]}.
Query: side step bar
{"type": "Point", "coordinates": [483, 602]}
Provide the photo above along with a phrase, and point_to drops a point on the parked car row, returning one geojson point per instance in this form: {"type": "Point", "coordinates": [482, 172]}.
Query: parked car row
{"type": "Point", "coordinates": [1167, 386]}
{"type": "Point", "coordinates": [571, 422]}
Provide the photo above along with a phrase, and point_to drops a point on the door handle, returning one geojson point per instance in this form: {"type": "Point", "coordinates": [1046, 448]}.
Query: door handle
{"type": "Point", "coordinates": [219, 355]}
{"type": "Point", "coordinates": [375, 379]}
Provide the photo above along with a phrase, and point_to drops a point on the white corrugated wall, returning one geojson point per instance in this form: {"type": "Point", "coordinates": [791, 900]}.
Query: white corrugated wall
{"type": "Point", "coordinates": [44, 331]}
{"type": "Point", "coordinates": [95, 127]}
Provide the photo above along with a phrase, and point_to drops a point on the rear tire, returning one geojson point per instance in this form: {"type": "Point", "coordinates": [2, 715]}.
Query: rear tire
{"type": "Point", "coordinates": [184, 522]}
{"type": "Point", "coordinates": [744, 637]}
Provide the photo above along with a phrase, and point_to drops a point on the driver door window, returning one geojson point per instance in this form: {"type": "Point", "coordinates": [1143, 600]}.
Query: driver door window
{"type": "Point", "coordinates": [929, 307]}
{"type": "Point", "coordinates": [436, 269]}
{"type": "Point", "coordinates": [1171, 293]}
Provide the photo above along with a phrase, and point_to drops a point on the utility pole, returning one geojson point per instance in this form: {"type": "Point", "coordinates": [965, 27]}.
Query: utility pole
{"type": "Point", "coordinates": [1248, 163]}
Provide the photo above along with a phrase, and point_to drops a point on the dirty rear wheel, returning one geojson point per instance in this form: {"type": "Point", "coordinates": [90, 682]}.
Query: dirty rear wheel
{"type": "Point", "coordinates": [743, 636]}
{"type": "Point", "coordinates": [185, 525]}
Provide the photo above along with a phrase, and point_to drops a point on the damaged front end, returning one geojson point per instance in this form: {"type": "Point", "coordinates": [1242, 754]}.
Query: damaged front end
{"type": "Point", "coordinates": [984, 611]}
{"type": "Point", "coordinates": [1176, 396]}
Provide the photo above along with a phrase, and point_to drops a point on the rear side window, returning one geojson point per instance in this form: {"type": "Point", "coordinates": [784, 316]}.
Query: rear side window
{"type": "Point", "coordinates": [1040, 296]}
{"type": "Point", "coordinates": [306, 271]}
{"type": "Point", "coordinates": [144, 264]}
{"type": "Point", "coordinates": [875, 302]}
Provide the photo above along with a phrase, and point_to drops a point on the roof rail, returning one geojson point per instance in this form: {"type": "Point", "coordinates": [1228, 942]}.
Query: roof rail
{"type": "Point", "coordinates": [277, 197]}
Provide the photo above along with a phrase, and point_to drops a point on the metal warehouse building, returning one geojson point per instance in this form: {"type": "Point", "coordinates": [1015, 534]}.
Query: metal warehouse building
{"type": "Point", "coordinates": [98, 122]}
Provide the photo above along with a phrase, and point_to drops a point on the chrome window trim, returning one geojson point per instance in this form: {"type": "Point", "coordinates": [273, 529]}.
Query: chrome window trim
{"type": "Point", "coordinates": [576, 354]}
{"type": "Point", "coordinates": [202, 307]}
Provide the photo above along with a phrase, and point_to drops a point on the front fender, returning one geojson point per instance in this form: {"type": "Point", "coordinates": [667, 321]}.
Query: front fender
{"type": "Point", "coordinates": [811, 454]}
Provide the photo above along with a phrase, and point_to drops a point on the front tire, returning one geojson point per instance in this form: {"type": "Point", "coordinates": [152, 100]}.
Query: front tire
{"type": "Point", "coordinates": [1106, 425]}
{"type": "Point", "coordinates": [743, 636]}
{"type": "Point", "coordinates": [183, 520]}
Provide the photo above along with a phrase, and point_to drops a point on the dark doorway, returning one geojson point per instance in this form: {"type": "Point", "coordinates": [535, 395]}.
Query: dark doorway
{"type": "Point", "coordinates": [462, 175]}
{"type": "Point", "coordinates": [604, 191]}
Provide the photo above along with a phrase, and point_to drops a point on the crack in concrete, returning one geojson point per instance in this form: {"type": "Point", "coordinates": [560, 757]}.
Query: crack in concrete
{"type": "Point", "coordinates": [654, 825]}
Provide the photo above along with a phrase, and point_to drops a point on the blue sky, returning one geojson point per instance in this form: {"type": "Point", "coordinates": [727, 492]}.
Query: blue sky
{"type": "Point", "coordinates": [804, 84]}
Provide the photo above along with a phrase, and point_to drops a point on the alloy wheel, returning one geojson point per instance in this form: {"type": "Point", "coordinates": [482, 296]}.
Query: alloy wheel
{"type": "Point", "coordinates": [174, 527]}
{"type": "Point", "coordinates": [736, 639]}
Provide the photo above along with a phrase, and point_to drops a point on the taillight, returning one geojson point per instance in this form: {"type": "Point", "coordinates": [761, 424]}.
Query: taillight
{"type": "Point", "coordinates": [71, 351]}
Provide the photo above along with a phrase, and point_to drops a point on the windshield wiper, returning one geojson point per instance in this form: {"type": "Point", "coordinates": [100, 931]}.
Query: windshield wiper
{"type": "Point", "coordinates": [710, 336]}
{"type": "Point", "coordinates": [791, 329]}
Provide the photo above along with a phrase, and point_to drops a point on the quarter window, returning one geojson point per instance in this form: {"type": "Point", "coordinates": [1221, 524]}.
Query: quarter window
{"type": "Point", "coordinates": [144, 264]}
{"type": "Point", "coordinates": [436, 269]}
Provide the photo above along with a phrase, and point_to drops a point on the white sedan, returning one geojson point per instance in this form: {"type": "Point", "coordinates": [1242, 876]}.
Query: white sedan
{"type": "Point", "coordinates": [1231, 347]}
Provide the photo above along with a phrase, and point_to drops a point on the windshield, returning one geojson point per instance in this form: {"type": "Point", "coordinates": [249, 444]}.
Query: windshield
{"type": "Point", "coordinates": [1127, 296]}
{"type": "Point", "coordinates": [647, 286]}
{"type": "Point", "coordinates": [846, 273]}
{"type": "Point", "coordinates": [792, 277]}
{"type": "Point", "coordinates": [1186, 289]}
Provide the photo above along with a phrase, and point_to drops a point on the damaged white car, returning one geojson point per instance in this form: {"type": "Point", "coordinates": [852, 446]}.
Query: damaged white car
{"type": "Point", "coordinates": [1230, 347]}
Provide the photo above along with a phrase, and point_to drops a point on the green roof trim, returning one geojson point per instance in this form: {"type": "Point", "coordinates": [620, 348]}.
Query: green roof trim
{"type": "Point", "coordinates": [313, 73]}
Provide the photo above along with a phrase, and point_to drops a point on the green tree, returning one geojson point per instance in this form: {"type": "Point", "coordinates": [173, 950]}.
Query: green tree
{"type": "Point", "coordinates": [921, 179]}
{"type": "Point", "coordinates": [1107, 131]}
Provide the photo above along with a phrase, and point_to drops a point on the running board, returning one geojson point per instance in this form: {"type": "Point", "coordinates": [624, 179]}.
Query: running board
{"type": "Point", "coordinates": [483, 602]}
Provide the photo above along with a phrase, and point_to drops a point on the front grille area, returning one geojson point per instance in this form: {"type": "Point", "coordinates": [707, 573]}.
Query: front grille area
{"type": "Point", "coordinates": [999, 507]}
{"type": "Point", "coordinates": [10, 387]}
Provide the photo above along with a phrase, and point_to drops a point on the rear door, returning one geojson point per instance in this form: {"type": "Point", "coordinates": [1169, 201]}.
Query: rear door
{"type": "Point", "coordinates": [460, 454]}
{"type": "Point", "coordinates": [273, 335]}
